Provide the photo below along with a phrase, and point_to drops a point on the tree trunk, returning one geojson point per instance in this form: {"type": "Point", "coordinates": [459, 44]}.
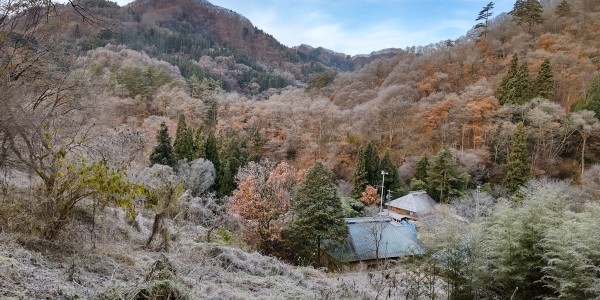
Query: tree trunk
{"type": "Point", "coordinates": [155, 228]}
{"type": "Point", "coordinates": [584, 137]}
{"type": "Point", "coordinates": [318, 251]}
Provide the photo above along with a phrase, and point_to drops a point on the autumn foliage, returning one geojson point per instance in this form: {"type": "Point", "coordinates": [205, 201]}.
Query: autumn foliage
{"type": "Point", "coordinates": [262, 199]}
{"type": "Point", "coordinates": [369, 196]}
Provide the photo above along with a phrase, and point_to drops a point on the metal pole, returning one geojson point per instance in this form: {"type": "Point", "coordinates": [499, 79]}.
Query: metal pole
{"type": "Point", "coordinates": [383, 173]}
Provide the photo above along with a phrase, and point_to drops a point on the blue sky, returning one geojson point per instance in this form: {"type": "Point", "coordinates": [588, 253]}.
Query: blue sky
{"type": "Point", "coordinates": [361, 26]}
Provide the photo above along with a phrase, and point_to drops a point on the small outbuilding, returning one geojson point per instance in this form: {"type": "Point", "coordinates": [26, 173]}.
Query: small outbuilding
{"type": "Point", "coordinates": [411, 206]}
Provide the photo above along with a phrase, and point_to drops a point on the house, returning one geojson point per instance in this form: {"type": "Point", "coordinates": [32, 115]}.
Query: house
{"type": "Point", "coordinates": [372, 241]}
{"type": "Point", "coordinates": [409, 206]}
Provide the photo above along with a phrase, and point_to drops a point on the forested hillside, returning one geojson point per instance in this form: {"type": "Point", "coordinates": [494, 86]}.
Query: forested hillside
{"type": "Point", "coordinates": [145, 148]}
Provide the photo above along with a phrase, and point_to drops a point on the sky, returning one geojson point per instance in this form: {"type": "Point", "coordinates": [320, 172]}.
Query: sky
{"type": "Point", "coordinates": [361, 26]}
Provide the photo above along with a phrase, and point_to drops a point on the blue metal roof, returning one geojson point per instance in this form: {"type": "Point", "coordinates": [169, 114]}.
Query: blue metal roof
{"type": "Point", "coordinates": [394, 241]}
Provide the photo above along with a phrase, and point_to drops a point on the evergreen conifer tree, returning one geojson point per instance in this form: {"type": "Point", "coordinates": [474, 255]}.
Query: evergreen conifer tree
{"type": "Point", "coordinates": [443, 178]}
{"type": "Point", "coordinates": [372, 164]}
{"type": "Point", "coordinates": [184, 141]}
{"type": "Point", "coordinates": [233, 157]}
{"type": "Point", "coordinates": [392, 180]}
{"type": "Point", "coordinates": [527, 12]}
{"type": "Point", "coordinates": [563, 9]}
{"type": "Point", "coordinates": [421, 169]}
{"type": "Point", "coordinates": [367, 170]}
{"type": "Point", "coordinates": [484, 16]}
{"type": "Point", "coordinates": [318, 214]}
{"type": "Point", "coordinates": [359, 177]}
{"type": "Point", "coordinates": [419, 181]}
{"type": "Point", "coordinates": [517, 168]}
{"type": "Point", "coordinates": [211, 152]}
{"type": "Point", "coordinates": [591, 99]}
{"type": "Point", "coordinates": [503, 91]}
{"type": "Point", "coordinates": [163, 153]}
{"type": "Point", "coordinates": [257, 145]}
{"type": "Point", "coordinates": [199, 143]}
{"type": "Point", "coordinates": [544, 83]}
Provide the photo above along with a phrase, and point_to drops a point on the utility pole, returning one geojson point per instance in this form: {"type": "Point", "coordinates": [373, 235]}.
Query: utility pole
{"type": "Point", "coordinates": [383, 173]}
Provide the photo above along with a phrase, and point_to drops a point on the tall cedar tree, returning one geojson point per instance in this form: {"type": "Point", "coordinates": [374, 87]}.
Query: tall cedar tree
{"type": "Point", "coordinates": [257, 144]}
{"type": "Point", "coordinates": [421, 169]}
{"type": "Point", "coordinates": [372, 164]}
{"type": "Point", "coordinates": [359, 177]}
{"type": "Point", "coordinates": [527, 12]}
{"type": "Point", "coordinates": [563, 9]}
{"type": "Point", "coordinates": [502, 93]}
{"type": "Point", "coordinates": [443, 178]}
{"type": "Point", "coordinates": [517, 168]}
{"type": "Point", "coordinates": [515, 87]}
{"type": "Point", "coordinates": [591, 99]}
{"type": "Point", "coordinates": [367, 170]}
{"type": "Point", "coordinates": [484, 16]}
{"type": "Point", "coordinates": [317, 222]}
{"type": "Point", "coordinates": [184, 140]}
{"type": "Point", "coordinates": [211, 152]}
{"type": "Point", "coordinates": [163, 153]}
{"type": "Point", "coordinates": [544, 83]}
{"type": "Point", "coordinates": [392, 180]}
{"type": "Point", "coordinates": [234, 157]}
{"type": "Point", "coordinates": [199, 142]}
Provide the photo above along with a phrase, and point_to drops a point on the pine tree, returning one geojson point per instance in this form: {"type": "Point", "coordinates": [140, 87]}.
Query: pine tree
{"type": "Point", "coordinates": [544, 83]}
{"type": "Point", "coordinates": [443, 178]}
{"type": "Point", "coordinates": [317, 214]}
{"type": "Point", "coordinates": [392, 180]}
{"type": "Point", "coordinates": [591, 99]}
{"type": "Point", "coordinates": [563, 9]}
{"type": "Point", "coordinates": [484, 16]}
{"type": "Point", "coordinates": [528, 12]}
{"type": "Point", "coordinates": [517, 168]}
{"type": "Point", "coordinates": [211, 152]}
{"type": "Point", "coordinates": [184, 141]}
{"type": "Point", "coordinates": [163, 153]}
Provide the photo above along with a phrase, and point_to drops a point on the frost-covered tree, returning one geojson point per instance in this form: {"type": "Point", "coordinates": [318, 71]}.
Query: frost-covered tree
{"type": "Point", "coordinates": [587, 125]}
{"type": "Point", "coordinates": [211, 153]}
{"type": "Point", "coordinates": [196, 176]}
{"type": "Point", "coordinates": [514, 239]}
{"type": "Point", "coordinates": [162, 191]}
{"type": "Point", "coordinates": [263, 198]}
{"type": "Point", "coordinates": [318, 214]}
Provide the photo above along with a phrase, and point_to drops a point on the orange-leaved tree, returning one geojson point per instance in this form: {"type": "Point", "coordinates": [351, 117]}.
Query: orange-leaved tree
{"type": "Point", "coordinates": [369, 196]}
{"type": "Point", "coordinates": [262, 199]}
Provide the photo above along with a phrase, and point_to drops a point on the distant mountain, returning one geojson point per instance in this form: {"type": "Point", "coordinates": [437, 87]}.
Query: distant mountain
{"type": "Point", "coordinates": [181, 32]}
